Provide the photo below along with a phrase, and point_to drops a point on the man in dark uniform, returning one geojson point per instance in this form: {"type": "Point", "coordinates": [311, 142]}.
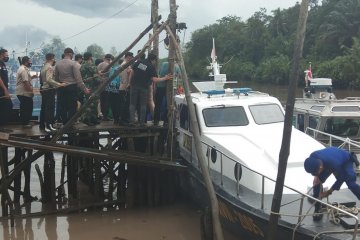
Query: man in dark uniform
{"type": "Point", "coordinates": [144, 74]}
{"type": "Point", "coordinates": [5, 100]}
{"type": "Point", "coordinates": [322, 163]}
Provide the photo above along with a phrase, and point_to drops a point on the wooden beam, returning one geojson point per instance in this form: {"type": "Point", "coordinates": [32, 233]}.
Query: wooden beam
{"type": "Point", "coordinates": [217, 230]}
{"type": "Point", "coordinates": [285, 145]}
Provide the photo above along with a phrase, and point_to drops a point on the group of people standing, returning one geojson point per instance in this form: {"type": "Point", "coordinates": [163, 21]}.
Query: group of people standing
{"type": "Point", "coordinates": [73, 81]}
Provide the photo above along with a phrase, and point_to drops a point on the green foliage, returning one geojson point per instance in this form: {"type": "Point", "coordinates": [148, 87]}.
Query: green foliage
{"type": "Point", "coordinates": [274, 70]}
{"type": "Point", "coordinates": [56, 46]}
{"type": "Point", "coordinates": [237, 70]}
{"type": "Point", "coordinates": [95, 50]}
{"type": "Point", "coordinates": [343, 70]}
{"type": "Point", "coordinates": [261, 47]}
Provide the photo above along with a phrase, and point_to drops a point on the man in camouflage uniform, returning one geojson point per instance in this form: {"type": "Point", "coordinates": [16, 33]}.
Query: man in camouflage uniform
{"type": "Point", "coordinates": [89, 74]}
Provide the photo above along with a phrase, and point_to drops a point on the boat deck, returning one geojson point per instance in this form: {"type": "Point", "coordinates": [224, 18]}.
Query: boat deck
{"type": "Point", "coordinates": [291, 206]}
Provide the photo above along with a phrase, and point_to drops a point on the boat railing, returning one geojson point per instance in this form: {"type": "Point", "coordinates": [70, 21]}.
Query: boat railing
{"type": "Point", "coordinates": [345, 143]}
{"type": "Point", "coordinates": [263, 179]}
{"type": "Point", "coordinates": [347, 99]}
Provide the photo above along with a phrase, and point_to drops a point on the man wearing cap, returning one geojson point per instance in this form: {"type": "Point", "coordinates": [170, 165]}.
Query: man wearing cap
{"type": "Point", "coordinates": [68, 72]}
{"type": "Point", "coordinates": [322, 163]}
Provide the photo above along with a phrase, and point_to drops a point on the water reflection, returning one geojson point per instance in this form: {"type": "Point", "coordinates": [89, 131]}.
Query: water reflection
{"type": "Point", "coordinates": [176, 222]}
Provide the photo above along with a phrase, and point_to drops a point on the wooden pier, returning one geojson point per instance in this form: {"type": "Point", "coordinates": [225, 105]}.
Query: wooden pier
{"type": "Point", "coordinates": [118, 166]}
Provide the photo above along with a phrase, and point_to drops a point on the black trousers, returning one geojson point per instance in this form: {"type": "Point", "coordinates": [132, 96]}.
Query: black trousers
{"type": "Point", "coordinates": [26, 108]}
{"type": "Point", "coordinates": [47, 107]}
{"type": "Point", "coordinates": [105, 104]}
{"type": "Point", "coordinates": [124, 105]}
{"type": "Point", "coordinates": [114, 99]}
{"type": "Point", "coordinates": [5, 110]}
{"type": "Point", "coordinates": [160, 112]}
{"type": "Point", "coordinates": [67, 97]}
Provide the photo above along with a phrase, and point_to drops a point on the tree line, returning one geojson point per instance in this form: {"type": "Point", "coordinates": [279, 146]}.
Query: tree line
{"type": "Point", "coordinates": [260, 49]}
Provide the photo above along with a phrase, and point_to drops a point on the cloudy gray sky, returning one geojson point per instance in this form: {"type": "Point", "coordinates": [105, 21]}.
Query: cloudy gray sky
{"type": "Point", "coordinates": [39, 20]}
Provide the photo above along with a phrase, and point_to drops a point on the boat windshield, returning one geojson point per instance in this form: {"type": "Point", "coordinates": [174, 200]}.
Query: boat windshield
{"type": "Point", "coordinates": [341, 126]}
{"type": "Point", "coordinates": [267, 113]}
{"type": "Point", "coordinates": [221, 116]}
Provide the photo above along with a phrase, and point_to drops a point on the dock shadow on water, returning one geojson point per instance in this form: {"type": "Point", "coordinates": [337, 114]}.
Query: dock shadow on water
{"type": "Point", "coordinates": [178, 220]}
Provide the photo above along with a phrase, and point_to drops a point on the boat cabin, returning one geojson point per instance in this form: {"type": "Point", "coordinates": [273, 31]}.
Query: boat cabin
{"type": "Point", "coordinates": [319, 109]}
{"type": "Point", "coordinates": [245, 126]}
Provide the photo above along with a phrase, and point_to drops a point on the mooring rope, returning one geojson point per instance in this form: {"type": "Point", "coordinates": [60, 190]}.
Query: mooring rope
{"type": "Point", "coordinates": [334, 214]}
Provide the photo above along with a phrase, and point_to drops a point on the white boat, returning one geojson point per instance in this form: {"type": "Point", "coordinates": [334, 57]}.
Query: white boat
{"type": "Point", "coordinates": [320, 109]}
{"type": "Point", "coordinates": [241, 134]}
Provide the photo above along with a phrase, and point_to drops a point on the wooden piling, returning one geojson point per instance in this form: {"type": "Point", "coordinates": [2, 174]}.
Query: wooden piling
{"type": "Point", "coordinates": [49, 178]}
{"type": "Point", "coordinates": [27, 171]}
{"type": "Point", "coordinates": [17, 179]}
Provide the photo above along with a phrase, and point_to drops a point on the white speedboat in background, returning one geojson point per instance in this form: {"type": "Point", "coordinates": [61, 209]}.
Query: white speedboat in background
{"type": "Point", "coordinates": [321, 114]}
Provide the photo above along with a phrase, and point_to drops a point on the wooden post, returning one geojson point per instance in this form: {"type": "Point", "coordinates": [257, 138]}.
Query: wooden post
{"type": "Point", "coordinates": [285, 146]}
{"type": "Point", "coordinates": [169, 84]}
{"type": "Point", "coordinates": [61, 189]}
{"type": "Point", "coordinates": [49, 178]}
{"type": "Point", "coordinates": [154, 21]}
{"type": "Point", "coordinates": [98, 183]}
{"type": "Point", "coordinates": [6, 202]}
{"type": "Point", "coordinates": [111, 172]}
{"type": "Point", "coordinates": [4, 170]}
{"type": "Point", "coordinates": [71, 167]}
{"type": "Point", "coordinates": [17, 179]}
{"type": "Point", "coordinates": [121, 183]}
{"type": "Point", "coordinates": [27, 172]}
{"type": "Point", "coordinates": [217, 230]}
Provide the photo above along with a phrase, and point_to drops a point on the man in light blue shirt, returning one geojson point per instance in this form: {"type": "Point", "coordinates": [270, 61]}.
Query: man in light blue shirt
{"type": "Point", "coordinates": [160, 112]}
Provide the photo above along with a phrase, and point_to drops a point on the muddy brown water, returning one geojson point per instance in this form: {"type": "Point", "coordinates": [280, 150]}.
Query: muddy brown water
{"type": "Point", "coordinates": [179, 221]}
{"type": "Point", "coordinates": [176, 222]}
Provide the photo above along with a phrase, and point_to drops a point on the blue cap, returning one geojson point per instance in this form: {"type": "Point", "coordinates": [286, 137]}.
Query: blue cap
{"type": "Point", "coordinates": [312, 165]}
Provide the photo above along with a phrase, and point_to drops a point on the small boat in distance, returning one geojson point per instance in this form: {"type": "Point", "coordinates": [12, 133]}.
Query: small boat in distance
{"type": "Point", "coordinates": [241, 136]}
{"type": "Point", "coordinates": [319, 109]}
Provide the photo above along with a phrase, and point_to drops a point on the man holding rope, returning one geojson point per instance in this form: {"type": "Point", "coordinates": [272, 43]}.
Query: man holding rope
{"type": "Point", "coordinates": [322, 163]}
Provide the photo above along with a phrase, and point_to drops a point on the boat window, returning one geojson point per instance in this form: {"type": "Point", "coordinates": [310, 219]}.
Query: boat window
{"type": "Point", "coordinates": [267, 113]}
{"type": "Point", "coordinates": [184, 117]}
{"type": "Point", "coordinates": [346, 127]}
{"type": "Point", "coordinates": [317, 108]}
{"type": "Point", "coordinates": [225, 116]}
{"type": "Point", "coordinates": [298, 122]}
{"type": "Point", "coordinates": [313, 122]}
{"type": "Point", "coordinates": [345, 109]}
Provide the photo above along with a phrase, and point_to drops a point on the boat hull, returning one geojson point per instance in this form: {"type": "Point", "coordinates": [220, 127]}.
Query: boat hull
{"type": "Point", "coordinates": [237, 216]}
